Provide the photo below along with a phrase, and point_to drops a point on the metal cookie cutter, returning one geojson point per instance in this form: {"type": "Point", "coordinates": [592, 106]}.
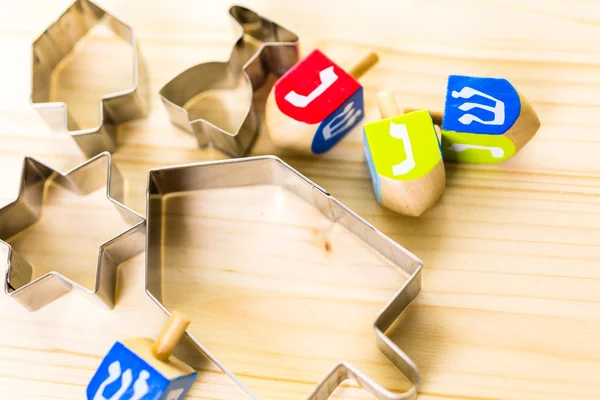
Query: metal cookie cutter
{"type": "Point", "coordinates": [52, 46]}
{"type": "Point", "coordinates": [27, 209]}
{"type": "Point", "coordinates": [263, 47]}
{"type": "Point", "coordinates": [269, 170]}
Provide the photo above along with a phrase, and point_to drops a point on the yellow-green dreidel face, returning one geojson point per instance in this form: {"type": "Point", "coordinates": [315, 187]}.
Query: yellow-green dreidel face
{"type": "Point", "coordinates": [478, 117]}
{"type": "Point", "coordinates": [485, 149]}
{"type": "Point", "coordinates": [401, 148]}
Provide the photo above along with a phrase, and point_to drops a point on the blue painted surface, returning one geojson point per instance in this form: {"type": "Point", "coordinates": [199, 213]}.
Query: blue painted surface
{"type": "Point", "coordinates": [468, 109]}
{"type": "Point", "coordinates": [333, 128]}
{"type": "Point", "coordinates": [372, 171]}
{"type": "Point", "coordinates": [125, 376]}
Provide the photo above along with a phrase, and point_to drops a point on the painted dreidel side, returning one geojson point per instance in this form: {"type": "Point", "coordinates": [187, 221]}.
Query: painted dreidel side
{"type": "Point", "coordinates": [143, 369]}
{"type": "Point", "coordinates": [486, 120]}
{"type": "Point", "coordinates": [404, 159]}
{"type": "Point", "coordinates": [316, 103]}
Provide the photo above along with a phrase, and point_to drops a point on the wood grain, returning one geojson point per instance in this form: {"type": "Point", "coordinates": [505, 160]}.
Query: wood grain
{"type": "Point", "coordinates": [511, 302]}
{"type": "Point", "coordinates": [276, 290]}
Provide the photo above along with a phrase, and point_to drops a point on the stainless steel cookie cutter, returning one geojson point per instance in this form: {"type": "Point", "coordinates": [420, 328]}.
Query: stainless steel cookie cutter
{"type": "Point", "coordinates": [52, 46]}
{"type": "Point", "coordinates": [263, 47]}
{"type": "Point", "coordinates": [272, 170]}
{"type": "Point", "coordinates": [27, 209]}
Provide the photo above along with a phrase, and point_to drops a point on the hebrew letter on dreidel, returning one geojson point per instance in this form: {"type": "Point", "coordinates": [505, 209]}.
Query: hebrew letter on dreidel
{"type": "Point", "coordinates": [497, 152]}
{"type": "Point", "coordinates": [114, 373]}
{"type": "Point", "coordinates": [140, 387]}
{"type": "Point", "coordinates": [328, 77]}
{"type": "Point", "coordinates": [399, 132]}
{"type": "Point", "coordinates": [341, 122]}
{"type": "Point", "coordinates": [497, 109]}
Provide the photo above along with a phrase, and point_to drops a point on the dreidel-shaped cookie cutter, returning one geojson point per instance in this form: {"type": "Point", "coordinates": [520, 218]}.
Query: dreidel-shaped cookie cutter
{"type": "Point", "coordinates": [165, 183]}
{"type": "Point", "coordinates": [26, 210]}
{"type": "Point", "coordinates": [52, 46]}
{"type": "Point", "coordinates": [263, 47]}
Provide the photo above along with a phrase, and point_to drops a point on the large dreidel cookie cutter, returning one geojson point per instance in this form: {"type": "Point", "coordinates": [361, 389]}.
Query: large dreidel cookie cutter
{"type": "Point", "coordinates": [115, 108]}
{"type": "Point", "coordinates": [269, 170]}
{"type": "Point", "coordinates": [263, 47]}
{"type": "Point", "coordinates": [26, 210]}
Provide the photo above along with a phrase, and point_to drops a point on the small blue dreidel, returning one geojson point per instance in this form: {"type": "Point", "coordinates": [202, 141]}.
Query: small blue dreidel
{"type": "Point", "coordinates": [485, 120]}
{"type": "Point", "coordinates": [143, 369]}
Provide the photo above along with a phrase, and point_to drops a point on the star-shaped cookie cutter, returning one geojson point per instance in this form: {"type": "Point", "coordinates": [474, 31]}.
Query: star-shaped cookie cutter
{"type": "Point", "coordinates": [262, 47]}
{"type": "Point", "coordinates": [52, 46]}
{"type": "Point", "coordinates": [26, 210]}
{"type": "Point", "coordinates": [271, 170]}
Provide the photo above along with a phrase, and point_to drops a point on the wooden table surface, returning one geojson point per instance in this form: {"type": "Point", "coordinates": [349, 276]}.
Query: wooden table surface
{"type": "Point", "coordinates": [510, 307]}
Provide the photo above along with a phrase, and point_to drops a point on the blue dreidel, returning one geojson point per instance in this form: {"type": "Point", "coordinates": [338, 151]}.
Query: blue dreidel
{"type": "Point", "coordinates": [143, 369]}
{"type": "Point", "coordinates": [485, 120]}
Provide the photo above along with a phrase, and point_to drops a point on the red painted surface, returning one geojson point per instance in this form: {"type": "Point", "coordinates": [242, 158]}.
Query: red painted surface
{"type": "Point", "coordinates": [307, 77]}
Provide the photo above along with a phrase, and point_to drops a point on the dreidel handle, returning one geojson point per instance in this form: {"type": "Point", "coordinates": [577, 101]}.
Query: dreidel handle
{"type": "Point", "coordinates": [171, 334]}
{"type": "Point", "coordinates": [388, 107]}
{"type": "Point", "coordinates": [363, 65]}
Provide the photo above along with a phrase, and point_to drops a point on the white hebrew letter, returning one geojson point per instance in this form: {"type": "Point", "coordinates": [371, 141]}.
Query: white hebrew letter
{"type": "Point", "coordinates": [174, 394]}
{"type": "Point", "coordinates": [114, 372]}
{"type": "Point", "coordinates": [399, 132]}
{"type": "Point", "coordinates": [467, 93]}
{"type": "Point", "coordinates": [140, 387]}
{"type": "Point", "coordinates": [497, 152]}
{"type": "Point", "coordinates": [341, 122]}
{"type": "Point", "coordinates": [327, 76]}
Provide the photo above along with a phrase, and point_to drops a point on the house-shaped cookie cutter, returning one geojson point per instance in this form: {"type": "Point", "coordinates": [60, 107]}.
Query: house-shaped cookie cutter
{"type": "Point", "coordinates": [270, 170]}
{"type": "Point", "coordinates": [52, 46]}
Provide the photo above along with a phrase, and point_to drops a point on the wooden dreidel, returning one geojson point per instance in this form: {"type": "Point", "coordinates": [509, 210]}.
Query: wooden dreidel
{"type": "Point", "coordinates": [404, 158]}
{"type": "Point", "coordinates": [316, 103]}
{"type": "Point", "coordinates": [143, 369]}
{"type": "Point", "coordinates": [486, 120]}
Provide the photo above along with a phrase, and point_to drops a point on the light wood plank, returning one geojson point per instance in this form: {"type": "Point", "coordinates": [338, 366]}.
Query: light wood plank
{"type": "Point", "coordinates": [510, 307]}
